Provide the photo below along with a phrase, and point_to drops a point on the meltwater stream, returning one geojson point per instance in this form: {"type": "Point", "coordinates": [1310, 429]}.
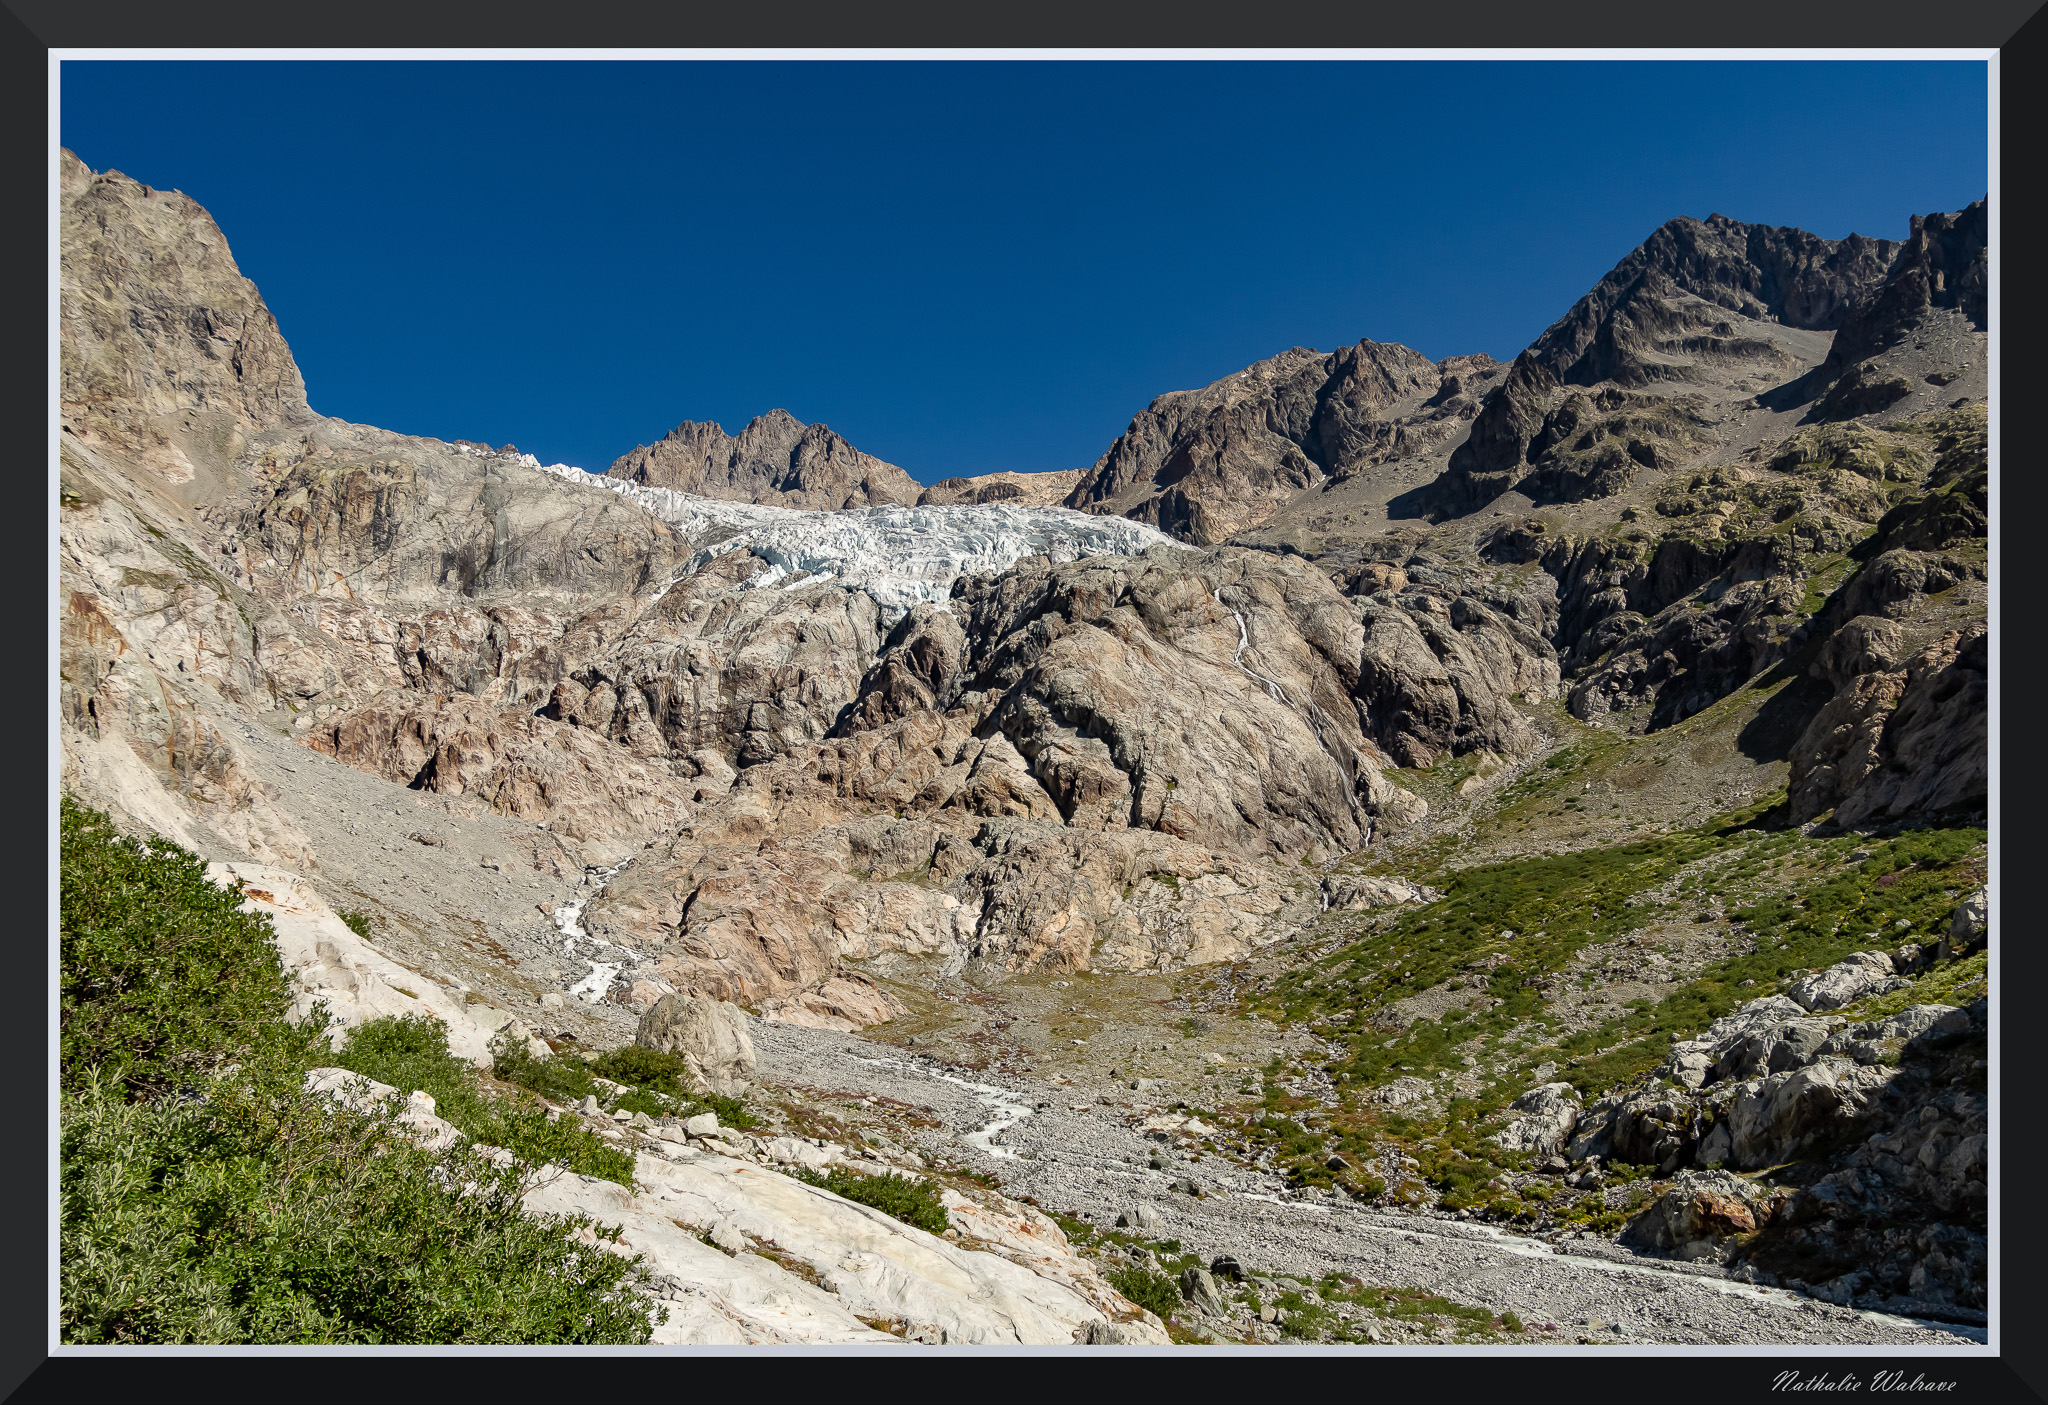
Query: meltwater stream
{"type": "Point", "coordinates": [569, 922]}
{"type": "Point", "coordinates": [1511, 1243]}
{"type": "Point", "coordinates": [1000, 1100]}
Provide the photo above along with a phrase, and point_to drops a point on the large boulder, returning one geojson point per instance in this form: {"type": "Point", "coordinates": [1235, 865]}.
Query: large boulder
{"type": "Point", "coordinates": [1548, 1115]}
{"type": "Point", "coordinates": [1970, 919]}
{"type": "Point", "coordinates": [709, 1035]}
{"type": "Point", "coordinates": [1773, 1121]}
{"type": "Point", "coordinates": [1704, 1215]}
{"type": "Point", "coordinates": [1787, 1045]}
{"type": "Point", "coordinates": [1859, 974]}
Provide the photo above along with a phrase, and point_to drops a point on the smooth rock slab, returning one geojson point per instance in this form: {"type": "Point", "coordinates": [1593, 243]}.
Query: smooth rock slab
{"type": "Point", "coordinates": [714, 1297]}
{"type": "Point", "coordinates": [877, 1267]}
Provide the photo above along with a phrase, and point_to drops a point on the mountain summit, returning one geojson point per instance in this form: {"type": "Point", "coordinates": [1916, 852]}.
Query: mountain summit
{"type": "Point", "coordinates": [777, 460]}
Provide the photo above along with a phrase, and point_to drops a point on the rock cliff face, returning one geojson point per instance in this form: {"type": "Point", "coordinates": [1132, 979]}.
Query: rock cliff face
{"type": "Point", "coordinates": [1692, 306]}
{"type": "Point", "coordinates": [1024, 489]}
{"type": "Point", "coordinates": [1942, 274]}
{"type": "Point", "coordinates": [776, 459]}
{"type": "Point", "coordinates": [167, 350]}
{"type": "Point", "coordinates": [1204, 464]}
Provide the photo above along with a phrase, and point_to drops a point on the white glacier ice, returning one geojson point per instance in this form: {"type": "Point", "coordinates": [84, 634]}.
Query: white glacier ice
{"type": "Point", "coordinates": [898, 555]}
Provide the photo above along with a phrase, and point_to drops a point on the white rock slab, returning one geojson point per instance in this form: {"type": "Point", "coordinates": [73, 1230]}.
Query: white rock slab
{"type": "Point", "coordinates": [878, 1266]}
{"type": "Point", "coordinates": [332, 963]}
{"type": "Point", "coordinates": [712, 1299]}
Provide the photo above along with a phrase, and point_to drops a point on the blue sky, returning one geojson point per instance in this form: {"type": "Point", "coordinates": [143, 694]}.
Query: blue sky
{"type": "Point", "coordinates": [965, 267]}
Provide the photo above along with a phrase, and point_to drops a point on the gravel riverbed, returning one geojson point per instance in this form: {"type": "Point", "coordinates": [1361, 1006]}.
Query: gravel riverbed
{"type": "Point", "coordinates": [1076, 1155]}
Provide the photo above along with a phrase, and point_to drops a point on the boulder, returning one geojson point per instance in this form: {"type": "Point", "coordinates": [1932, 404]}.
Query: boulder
{"type": "Point", "coordinates": [1198, 1286]}
{"type": "Point", "coordinates": [1653, 1128]}
{"type": "Point", "coordinates": [1704, 1215]}
{"type": "Point", "coordinates": [1773, 1049]}
{"type": "Point", "coordinates": [1861, 973]}
{"type": "Point", "coordinates": [709, 1035]}
{"type": "Point", "coordinates": [792, 1151]}
{"type": "Point", "coordinates": [1549, 1114]}
{"type": "Point", "coordinates": [416, 1113]}
{"type": "Point", "coordinates": [1970, 920]}
{"type": "Point", "coordinates": [1104, 1333]}
{"type": "Point", "coordinates": [1882, 1041]}
{"type": "Point", "coordinates": [1774, 1119]}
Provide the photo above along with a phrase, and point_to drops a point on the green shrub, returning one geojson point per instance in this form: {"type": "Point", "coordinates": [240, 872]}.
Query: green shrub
{"type": "Point", "coordinates": [357, 922]}
{"type": "Point", "coordinates": [731, 1111]}
{"type": "Point", "coordinates": [645, 1068]}
{"type": "Point", "coordinates": [162, 978]}
{"type": "Point", "coordinates": [569, 1080]}
{"type": "Point", "coordinates": [205, 1198]}
{"type": "Point", "coordinates": [913, 1202]}
{"type": "Point", "coordinates": [263, 1215]}
{"type": "Point", "coordinates": [640, 1100]}
{"type": "Point", "coordinates": [1154, 1292]}
{"type": "Point", "coordinates": [560, 1080]}
{"type": "Point", "coordinates": [410, 1052]}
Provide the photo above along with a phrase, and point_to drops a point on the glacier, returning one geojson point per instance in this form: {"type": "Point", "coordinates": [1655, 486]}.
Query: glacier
{"type": "Point", "coordinates": [899, 556]}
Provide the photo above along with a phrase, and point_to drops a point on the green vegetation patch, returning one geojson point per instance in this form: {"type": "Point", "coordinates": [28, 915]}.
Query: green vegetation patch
{"type": "Point", "coordinates": [650, 1075]}
{"type": "Point", "coordinates": [1153, 1291]}
{"type": "Point", "coordinates": [913, 1202]}
{"type": "Point", "coordinates": [262, 1215]}
{"type": "Point", "coordinates": [163, 979]}
{"type": "Point", "coordinates": [1803, 903]}
{"type": "Point", "coordinates": [411, 1054]}
{"type": "Point", "coordinates": [206, 1198]}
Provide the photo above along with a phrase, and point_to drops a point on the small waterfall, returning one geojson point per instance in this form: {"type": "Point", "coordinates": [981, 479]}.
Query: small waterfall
{"type": "Point", "coordinates": [1308, 715]}
{"type": "Point", "coordinates": [569, 922]}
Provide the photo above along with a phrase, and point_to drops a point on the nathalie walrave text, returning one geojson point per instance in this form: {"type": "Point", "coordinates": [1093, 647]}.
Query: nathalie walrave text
{"type": "Point", "coordinates": [1850, 1381]}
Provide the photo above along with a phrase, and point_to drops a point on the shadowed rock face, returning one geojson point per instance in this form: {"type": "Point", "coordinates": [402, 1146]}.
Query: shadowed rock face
{"type": "Point", "coordinates": [1204, 464]}
{"type": "Point", "coordinates": [1944, 265]}
{"type": "Point", "coordinates": [777, 459]}
{"type": "Point", "coordinates": [1662, 317]}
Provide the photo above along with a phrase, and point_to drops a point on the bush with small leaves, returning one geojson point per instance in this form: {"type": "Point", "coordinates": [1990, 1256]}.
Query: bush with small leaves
{"type": "Point", "coordinates": [206, 1198]}
{"type": "Point", "coordinates": [1154, 1292]}
{"type": "Point", "coordinates": [915, 1203]}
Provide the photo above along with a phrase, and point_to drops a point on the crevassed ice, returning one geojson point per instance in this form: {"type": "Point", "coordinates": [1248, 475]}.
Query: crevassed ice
{"type": "Point", "coordinates": [898, 555]}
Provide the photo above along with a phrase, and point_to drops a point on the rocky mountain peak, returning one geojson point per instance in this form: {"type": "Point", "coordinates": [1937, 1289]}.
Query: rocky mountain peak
{"type": "Point", "coordinates": [1696, 306]}
{"type": "Point", "coordinates": [1204, 464]}
{"type": "Point", "coordinates": [776, 459]}
{"type": "Point", "coordinates": [1943, 265]}
{"type": "Point", "coordinates": [167, 352]}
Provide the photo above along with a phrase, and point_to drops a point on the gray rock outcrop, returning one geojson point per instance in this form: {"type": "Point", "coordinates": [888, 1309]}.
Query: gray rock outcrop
{"type": "Point", "coordinates": [709, 1035]}
{"type": "Point", "coordinates": [1859, 974]}
{"type": "Point", "coordinates": [1547, 1116]}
